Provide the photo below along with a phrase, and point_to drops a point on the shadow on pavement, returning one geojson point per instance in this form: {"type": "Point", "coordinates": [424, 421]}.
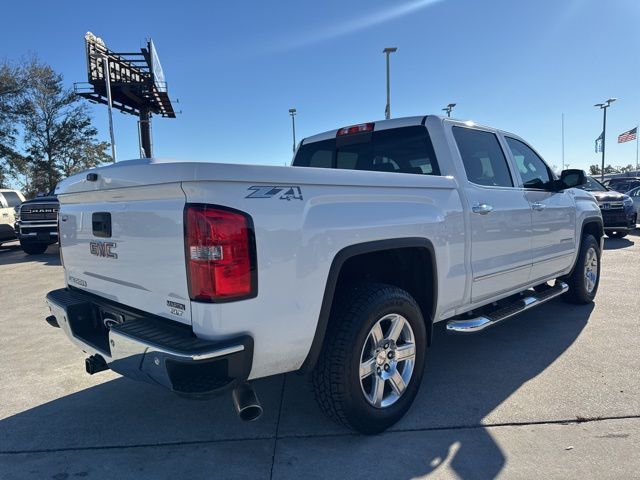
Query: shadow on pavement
{"type": "Point", "coordinates": [11, 253]}
{"type": "Point", "coordinates": [617, 243]}
{"type": "Point", "coordinates": [467, 377]}
{"type": "Point", "coordinates": [470, 376]}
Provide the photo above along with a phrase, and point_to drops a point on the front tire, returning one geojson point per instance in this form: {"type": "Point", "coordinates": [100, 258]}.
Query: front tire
{"type": "Point", "coordinates": [34, 248]}
{"type": "Point", "coordinates": [584, 279]}
{"type": "Point", "coordinates": [372, 361]}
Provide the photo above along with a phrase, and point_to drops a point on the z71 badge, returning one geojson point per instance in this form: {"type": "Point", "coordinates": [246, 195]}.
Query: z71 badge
{"type": "Point", "coordinates": [286, 192]}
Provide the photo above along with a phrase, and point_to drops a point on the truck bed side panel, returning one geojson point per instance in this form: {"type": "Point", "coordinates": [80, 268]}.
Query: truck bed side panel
{"type": "Point", "coordinates": [297, 239]}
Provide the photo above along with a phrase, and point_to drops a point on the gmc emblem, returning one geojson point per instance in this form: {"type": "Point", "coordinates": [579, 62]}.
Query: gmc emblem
{"type": "Point", "coordinates": [103, 249]}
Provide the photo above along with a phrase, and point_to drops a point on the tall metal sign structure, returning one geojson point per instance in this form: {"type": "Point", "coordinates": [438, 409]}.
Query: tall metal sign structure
{"type": "Point", "coordinates": [131, 82]}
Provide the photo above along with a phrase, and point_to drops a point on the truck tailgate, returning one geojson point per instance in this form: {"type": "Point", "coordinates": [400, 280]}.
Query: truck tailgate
{"type": "Point", "coordinates": [127, 245]}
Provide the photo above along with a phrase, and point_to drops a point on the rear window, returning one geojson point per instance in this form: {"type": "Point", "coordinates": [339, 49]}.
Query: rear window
{"type": "Point", "coordinates": [400, 150]}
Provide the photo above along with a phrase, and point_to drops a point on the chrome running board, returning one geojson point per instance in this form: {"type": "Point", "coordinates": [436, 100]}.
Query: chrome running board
{"type": "Point", "coordinates": [477, 324]}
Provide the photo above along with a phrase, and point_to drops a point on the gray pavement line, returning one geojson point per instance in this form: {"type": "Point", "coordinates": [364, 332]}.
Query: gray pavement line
{"type": "Point", "coordinates": [275, 439]}
{"type": "Point", "coordinates": [575, 421]}
{"type": "Point", "coordinates": [137, 445]}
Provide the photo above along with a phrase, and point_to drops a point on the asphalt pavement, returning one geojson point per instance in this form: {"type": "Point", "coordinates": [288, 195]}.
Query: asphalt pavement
{"type": "Point", "coordinates": [553, 393]}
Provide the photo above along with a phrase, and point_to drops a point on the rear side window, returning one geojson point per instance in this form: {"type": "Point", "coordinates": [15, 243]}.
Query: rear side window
{"type": "Point", "coordinates": [483, 158]}
{"type": "Point", "coordinates": [400, 150]}
{"type": "Point", "coordinates": [12, 198]}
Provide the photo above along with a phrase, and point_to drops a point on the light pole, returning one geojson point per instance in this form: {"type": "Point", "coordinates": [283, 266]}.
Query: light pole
{"type": "Point", "coordinates": [603, 107]}
{"type": "Point", "coordinates": [448, 109]}
{"type": "Point", "coordinates": [107, 80]}
{"type": "Point", "coordinates": [292, 112]}
{"type": "Point", "coordinates": [387, 111]}
{"type": "Point", "coordinates": [563, 141]}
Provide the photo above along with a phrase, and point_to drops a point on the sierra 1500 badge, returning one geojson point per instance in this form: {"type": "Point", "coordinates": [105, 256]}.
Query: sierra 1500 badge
{"type": "Point", "coordinates": [286, 192]}
{"type": "Point", "coordinates": [176, 308]}
{"type": "Point", "coordinates": [103, 249]}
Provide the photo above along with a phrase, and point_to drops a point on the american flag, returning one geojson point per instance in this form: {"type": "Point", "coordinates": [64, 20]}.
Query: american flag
{"type": "Point", "coordinates": [628, 136]}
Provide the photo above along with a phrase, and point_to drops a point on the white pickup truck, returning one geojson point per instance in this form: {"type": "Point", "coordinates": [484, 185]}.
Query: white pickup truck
{"type": "Point", "coordinates": [203, 276]}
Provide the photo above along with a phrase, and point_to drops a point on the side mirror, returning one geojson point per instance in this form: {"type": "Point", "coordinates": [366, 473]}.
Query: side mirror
{"type": "Point", "coordinates": [572, 178]}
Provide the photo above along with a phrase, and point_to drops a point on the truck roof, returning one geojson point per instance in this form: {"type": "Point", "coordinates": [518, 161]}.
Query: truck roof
{"type": "Point", "coordinates": [396, 123]}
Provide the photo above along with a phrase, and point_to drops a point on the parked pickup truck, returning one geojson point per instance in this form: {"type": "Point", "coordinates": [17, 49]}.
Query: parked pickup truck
{"type": "Point", "coordinates": [37, 224]}
{"type": "Point", "coordinates": [202, 276]}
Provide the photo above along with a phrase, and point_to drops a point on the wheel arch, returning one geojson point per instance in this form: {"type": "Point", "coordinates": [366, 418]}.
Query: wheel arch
{"type": "Point", "coordinates": [593, 226]}
{"type": "Point", "coordinates": [427, 299]}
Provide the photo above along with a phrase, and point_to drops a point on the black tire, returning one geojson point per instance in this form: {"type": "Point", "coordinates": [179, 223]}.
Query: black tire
{"type": "Point", "coordinates": [34, 248]}
{"type": "Point", "coordinates": [578, 289]}
{"type": "Point", "coordinates": [618, 234]}
{"type": "Point", "coordinates": [336, 377]}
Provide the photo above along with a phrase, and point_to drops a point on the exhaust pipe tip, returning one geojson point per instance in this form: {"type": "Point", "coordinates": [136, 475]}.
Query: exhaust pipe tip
{"type": "Point", "coordinates": [246, 402]}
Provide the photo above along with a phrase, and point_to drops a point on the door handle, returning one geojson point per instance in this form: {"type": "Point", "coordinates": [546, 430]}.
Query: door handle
{"type": "Point", "coordinates": [482, 208]}
{"type": "Point", "coordinates": [538, 206]}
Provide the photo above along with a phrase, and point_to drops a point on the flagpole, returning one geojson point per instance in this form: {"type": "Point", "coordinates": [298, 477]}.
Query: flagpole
{"type": "Point", "coordinates": [637, 150]}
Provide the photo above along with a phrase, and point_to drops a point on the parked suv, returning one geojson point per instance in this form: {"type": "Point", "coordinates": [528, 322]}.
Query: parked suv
{"type": "Point", "coordinates": [623, 184]}
{"type": "Point", "coordinates": [617, 209]}
{"type": "Point", "coordinates": [37, 223]}
{"type": "Point", "coordinates": [9, 200]}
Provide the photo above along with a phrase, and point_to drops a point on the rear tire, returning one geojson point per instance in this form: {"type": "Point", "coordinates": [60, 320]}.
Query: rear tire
{"type": "Point", "coordinates": [584, 279]}
{"type": "Point", "coordinates": [372, 360]}
{"type": "Point", "coordinates": [617, 234]}
{"type": "Point", "coordinates": [34, 248]}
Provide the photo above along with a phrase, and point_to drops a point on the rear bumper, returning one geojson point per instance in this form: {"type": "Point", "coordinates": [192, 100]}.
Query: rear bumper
{"type": "Point", "coordinates": [148, 348]}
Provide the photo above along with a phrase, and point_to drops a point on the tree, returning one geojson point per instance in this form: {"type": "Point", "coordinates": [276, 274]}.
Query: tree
{"type": "Point", "coordinates": [12, 85]}
{"type": "Point", "coordinates": [594, 170]}
{"type": "Point", "coordinates": [59, 138]}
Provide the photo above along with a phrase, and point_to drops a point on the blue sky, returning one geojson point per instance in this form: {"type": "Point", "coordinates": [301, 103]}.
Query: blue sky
{"type": "Point", "coordinates": [237, 67]}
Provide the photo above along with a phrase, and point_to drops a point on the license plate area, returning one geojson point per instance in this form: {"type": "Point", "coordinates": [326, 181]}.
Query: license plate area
{"type": "Point", "coordinates": [92, 324]}
{"type": "Point", "coordinates": [87, 325]}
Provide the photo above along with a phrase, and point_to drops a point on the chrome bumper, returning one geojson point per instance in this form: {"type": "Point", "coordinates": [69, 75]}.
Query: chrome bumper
{"type": "Point", "coordinates": [184, 364]}
{"type": "Point", "coordinates": [35, 234]}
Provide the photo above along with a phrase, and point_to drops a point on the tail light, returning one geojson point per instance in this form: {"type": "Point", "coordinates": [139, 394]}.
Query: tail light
{"type": "Point", "coordinates": [363, 127]}
{"type": "Point", "coordinates": [220, 251]}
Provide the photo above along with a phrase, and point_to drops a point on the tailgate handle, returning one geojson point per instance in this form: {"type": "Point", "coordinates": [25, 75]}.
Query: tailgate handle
{"type": "Point", "coordinates": [101, 223]}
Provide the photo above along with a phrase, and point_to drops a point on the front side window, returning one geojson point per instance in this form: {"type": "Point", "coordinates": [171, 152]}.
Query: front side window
{"type": "Point", "coordinates": [533, 170]}
{"type": "Point", "coordinates": [400, 150]}
{"type": "Point", "coordinates": [483, 158]}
